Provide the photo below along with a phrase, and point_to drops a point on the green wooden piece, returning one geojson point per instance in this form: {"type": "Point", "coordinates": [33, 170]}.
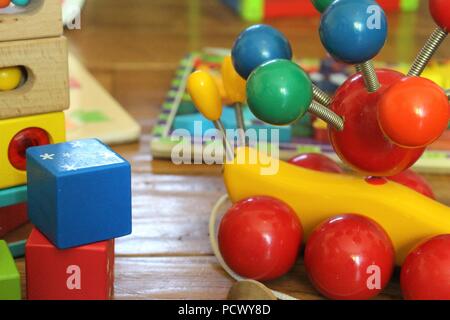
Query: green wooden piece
{"type": "Point", "coordinates": [321, 5]}
{"type": "Point", "coordinates": [279, 92]}
{"type": "Point", "coordinates": [9, 275]}
{"type": "Point", "coordinates": [252, 10]}
{"type": "Point", "coordinates": [17, 248]}
{"type": "Point", "coordinates": [12, 196]}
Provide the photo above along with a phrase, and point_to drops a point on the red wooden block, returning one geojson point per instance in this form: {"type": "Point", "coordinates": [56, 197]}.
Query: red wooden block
{"type": "Point", "coordinates": [81, 273]}
{"type": "Point", "coordinates": [12, 217]}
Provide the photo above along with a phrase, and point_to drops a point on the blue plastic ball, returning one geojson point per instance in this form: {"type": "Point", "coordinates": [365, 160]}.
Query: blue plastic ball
{"type": "Point", "coordinates": [21, 3]}
{"type": "Point", "coordinates": [257, 45]}
{"type": "Point", "coordinates": [353, 31]}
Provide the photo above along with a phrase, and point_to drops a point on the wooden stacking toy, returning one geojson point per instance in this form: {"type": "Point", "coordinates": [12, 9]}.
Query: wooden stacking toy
{"type": "Point", "coordinates": [379, 121]}
{"type": "Point", "coordinates": [77, 194]}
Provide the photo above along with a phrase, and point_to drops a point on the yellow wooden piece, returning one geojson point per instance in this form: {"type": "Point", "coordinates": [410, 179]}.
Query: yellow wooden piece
{"type": "Point", "coordinates": [52, 123]}
{"type": "Point", "coordinates": [235, 86]}
{"type": "Point", "coordinates": [47, 86]}
{"type": "Point", "coordinates": [39, 19]}
{"type": "Point", "coordinates": [407, 216]}
{"type": "Point", "coordinates": [205, 95]}
{"type": "Point", "coordinates": [10, 78]}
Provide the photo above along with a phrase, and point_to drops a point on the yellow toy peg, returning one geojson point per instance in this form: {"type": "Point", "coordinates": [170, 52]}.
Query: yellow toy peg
{"type": "Point", "coordinates": [407, 216]}
{"type": "Point", "coordinates": [205, 95]}
{"type": "Point", "coordinates": [235, 86]}
{"type": "Point", "coordinates": [10, 78]}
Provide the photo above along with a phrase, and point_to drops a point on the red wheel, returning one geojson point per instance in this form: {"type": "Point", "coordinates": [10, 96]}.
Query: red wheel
{"type": "Point", "coordinates": [349, 257]}
{"type": "Point", "coordinates": [260, 238]}
{"type": "Point", "coordinates": [425, 273]}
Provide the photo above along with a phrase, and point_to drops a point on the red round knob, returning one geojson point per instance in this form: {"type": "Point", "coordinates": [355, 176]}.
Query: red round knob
{"type": "Point", "coordinates": [346, 255]}
{"type": "Point", "coordinates": [362, 144]}
{"type": "Point", "coordinates": [425, 273]}
{"type": "Point", "coordinates": [18, 146]}
{"type": "Point", "coordinates": [440, 10]}
{"type": "Point", "coordinates": [414, 112]}
{"type": "Point", "coordinates": [260, 238]}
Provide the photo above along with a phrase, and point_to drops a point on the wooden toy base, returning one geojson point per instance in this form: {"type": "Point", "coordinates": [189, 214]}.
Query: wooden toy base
{"type": "Point", "coordinates": [45, 89]}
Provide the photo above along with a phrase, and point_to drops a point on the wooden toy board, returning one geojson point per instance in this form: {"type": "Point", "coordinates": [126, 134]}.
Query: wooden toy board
{"type": "Point", "coordinates": [435, 159]}
{"type": "Point", "coordinates": [93, 113]}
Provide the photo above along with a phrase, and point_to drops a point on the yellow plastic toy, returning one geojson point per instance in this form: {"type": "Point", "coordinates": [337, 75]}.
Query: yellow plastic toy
{"type": "Point", "coordinates": [10, 78]}
{"type": "Point", "coordinates": [406, 215]}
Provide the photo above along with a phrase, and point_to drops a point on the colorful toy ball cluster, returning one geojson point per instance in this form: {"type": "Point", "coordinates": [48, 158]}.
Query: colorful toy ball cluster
{"type": "Point", "coordinates": [19, 3]}
{"type": "Point", "coordinates": [347, 257]}
{"type": "Point", "coordinates": [262, 56]}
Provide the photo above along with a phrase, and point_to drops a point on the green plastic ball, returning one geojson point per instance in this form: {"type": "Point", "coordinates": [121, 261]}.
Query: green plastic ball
{"type": "Point", "coordinates": [321, 5]}
{"type": "Point", "coordinates": [279, 92]}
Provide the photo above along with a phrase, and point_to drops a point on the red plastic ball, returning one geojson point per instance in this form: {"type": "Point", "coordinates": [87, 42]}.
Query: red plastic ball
{"type": "Point", "coordinates": [413, 112]}
{"type": "Point", "coordinates": [349, 257]}
{"type": "Point", "coordinates": [317, 162]}
{"type": "Point", "coordinates": [18, 146]}
{"type": "Point", "coordinates": [362, 144]}
{"type": "Point", "coordinates": [425, 273]}
{"type": "Point", "coordinates": [260, 238]}
{"type": "Point", "coordinates": [414, 181]}
{"type": "Point", "coordinates": [440, 10]}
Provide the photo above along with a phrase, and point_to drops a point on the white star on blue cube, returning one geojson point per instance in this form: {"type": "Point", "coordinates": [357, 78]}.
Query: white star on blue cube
{"type": "Point", "coordinates": [79, 192]}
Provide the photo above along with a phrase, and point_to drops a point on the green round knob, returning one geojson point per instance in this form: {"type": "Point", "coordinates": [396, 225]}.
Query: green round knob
{"type": "Point", "coordinates": [321, 5]}
{"type": "Point", "coordinates": [279, 92]}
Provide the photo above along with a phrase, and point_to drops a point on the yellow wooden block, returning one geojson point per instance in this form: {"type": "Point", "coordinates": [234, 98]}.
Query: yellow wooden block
{"type": "Point", "coordinates": [51, 123]}
{"type": "Point", "coordinates": [39, 19]}
{"type": "Point", "coordinates": [47, 85]}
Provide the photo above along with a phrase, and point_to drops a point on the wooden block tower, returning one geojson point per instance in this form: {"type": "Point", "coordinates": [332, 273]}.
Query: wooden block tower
{"type": "Point", "coordinates": [33, 93]}
{"type": "Point", "coordinates": [77, 194]}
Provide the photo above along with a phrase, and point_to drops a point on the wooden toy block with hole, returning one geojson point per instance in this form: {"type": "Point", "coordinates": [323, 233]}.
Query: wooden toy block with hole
{"type": "Point", "coordinates": [9, 275]}
{"type": "Point", "coordinates": [17, 135]}
{"type": "Point", "coordinates": [45, 84]}
{"type": "Point", "coordinates": [39, 19]}
{"type": "Point", "coordinates": [13, 209]}
{"type": "Point", "coordinates": [81, 273]}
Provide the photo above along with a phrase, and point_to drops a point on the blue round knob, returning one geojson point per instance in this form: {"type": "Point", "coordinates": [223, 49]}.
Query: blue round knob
{"type": "Point", "coordinates": [257, 45]}
{"type": "Point", "coordinates": [353, 31]}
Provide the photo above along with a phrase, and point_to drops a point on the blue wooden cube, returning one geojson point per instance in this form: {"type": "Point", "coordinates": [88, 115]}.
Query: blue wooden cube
{"type": "Point", "coordinates": [79, 192]}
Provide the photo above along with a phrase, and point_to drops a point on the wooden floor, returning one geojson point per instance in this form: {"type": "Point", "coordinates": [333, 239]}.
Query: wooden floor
{"type": "Point", "coordinates": [132, 48]}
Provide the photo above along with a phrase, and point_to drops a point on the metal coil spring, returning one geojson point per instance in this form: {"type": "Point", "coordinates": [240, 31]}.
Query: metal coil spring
{"type": "Point", "coordinates": [327, 115]}
{"type": "Point", "coordinates": [427, 52]}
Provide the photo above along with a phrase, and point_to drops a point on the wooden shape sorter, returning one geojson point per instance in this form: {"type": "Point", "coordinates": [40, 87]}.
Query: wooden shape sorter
{"type": "Point", "coordinates": [45, 87]}
{"type": "Point", "coordinates": [39, 19]}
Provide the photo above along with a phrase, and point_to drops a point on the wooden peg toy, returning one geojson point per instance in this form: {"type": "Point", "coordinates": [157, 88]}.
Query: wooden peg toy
{"type": "Point", "coordinates": [81, 273]}
{"type": "Point", "coordinates": [9, 275]}
{"type": "Point", "coordinates": [279, 92]}
{"type": "Point", "coordinates": [235, 88]}
{"type": "Point", "coordinates": [78, 185]}
{"type": "Point", "coordinates": [18, 134]}
{"type": "Point", "coordinates": [36, 19]}
{"type": "Point", "coordinates": [206, 97]}
{"type": "Point", "coordinates": [440, 11]}
{"type": "Point", "coordinates": [45, 87]}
